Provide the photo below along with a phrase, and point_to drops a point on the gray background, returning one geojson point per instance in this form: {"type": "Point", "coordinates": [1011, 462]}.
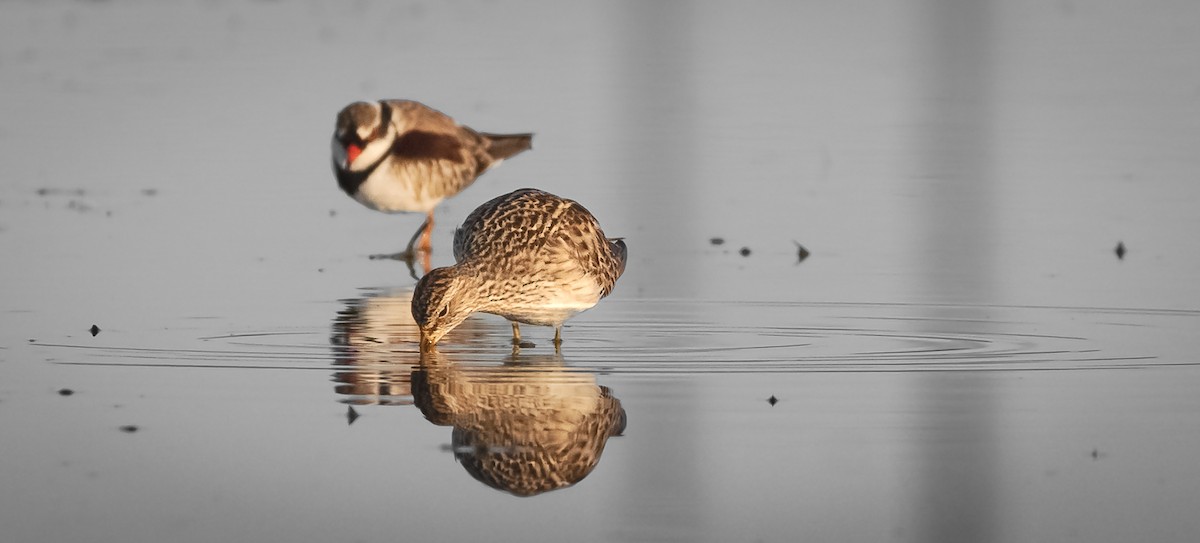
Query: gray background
{"type": "Point", "coordinates": [962, 358]}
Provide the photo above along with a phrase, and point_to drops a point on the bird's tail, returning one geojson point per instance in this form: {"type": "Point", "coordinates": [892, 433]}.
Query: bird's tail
{"type": "Point", "coordinates": [502, 146]}
{"type": "Point", "coordinates": [621, 252]}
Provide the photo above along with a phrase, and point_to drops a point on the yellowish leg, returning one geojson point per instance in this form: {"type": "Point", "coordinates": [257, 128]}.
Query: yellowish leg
{"type": "Point", "coordinates": [426, 261]}
{"type": "Point", "coordinates": [557, 337]}
{"type": "Point", "coordinates": [423, 234]}
{"type": "Point", "coordinates": [427, 236]}
{"type": "Point", "coordinates": [516, 333]}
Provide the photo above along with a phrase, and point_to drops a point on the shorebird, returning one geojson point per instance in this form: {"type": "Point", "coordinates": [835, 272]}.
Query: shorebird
{"type": "Point", "coordinates": [403, 156]}
{"type": "Point", "coordinates": [528, 256]}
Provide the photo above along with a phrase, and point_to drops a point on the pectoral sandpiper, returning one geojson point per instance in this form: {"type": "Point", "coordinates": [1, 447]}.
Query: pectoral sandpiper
{"type": "Point", "coordinates": [528, 256]}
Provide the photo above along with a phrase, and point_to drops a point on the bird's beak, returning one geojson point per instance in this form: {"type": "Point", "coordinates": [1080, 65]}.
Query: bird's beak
{"type": "Point", "coordinates": [428, 342]}
{"type": "Point", "coordinates": [352, 152]}
{"type": "Point", "coordinates": [339, 155]}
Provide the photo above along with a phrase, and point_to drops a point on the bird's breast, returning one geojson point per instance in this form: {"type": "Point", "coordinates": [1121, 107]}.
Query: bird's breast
{"type": "Point", "coordinates": [395, 188]}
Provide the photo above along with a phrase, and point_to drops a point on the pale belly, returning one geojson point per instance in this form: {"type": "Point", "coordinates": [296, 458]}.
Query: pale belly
{"type": "Point", "coordinates": [549, 307]}
{"type": "Point", "coordinates": [392, 194]}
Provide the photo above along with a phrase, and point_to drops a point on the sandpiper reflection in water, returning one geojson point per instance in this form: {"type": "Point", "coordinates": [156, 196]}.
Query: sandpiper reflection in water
{"type": "Point", "coordinates": [527, 427]}
{"type": "Point", "coordinates": [374, 335]}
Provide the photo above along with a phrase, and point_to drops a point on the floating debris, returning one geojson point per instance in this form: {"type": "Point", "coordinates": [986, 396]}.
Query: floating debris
{"type": "Point", "coordinates": [129, 428]}
{"type": "Point", "coordinates": [149, 192]}
{"type": "Point", "coordinates": [1120, 250]}
{"type": "Point", "coordinates": [526, 345]}
{"type": "Point", "coordinates": [47, 191]}
{"type": "Point", "coordinates": [402, 256]}
{"type": "Point", "coordinates": [351, 415]}
{"type": "Point", "coordinates": [772, 400]}
{"type": "Point", "coordinates": [94, 330]}
{"type": "Point", "coordinates": [332, 212]}
{"type": "Point", "coordinates": [65, 392]}
{"type": "Point", "coordinates": [745, 251]}
{"type": "Point", "coordinates": [801, 252]}
{"type": "Point", "coordinates": [717, 241]}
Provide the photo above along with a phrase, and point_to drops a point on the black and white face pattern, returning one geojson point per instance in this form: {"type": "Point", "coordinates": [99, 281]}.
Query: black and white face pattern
{"type": "Point", "coordinates": [362, 136]}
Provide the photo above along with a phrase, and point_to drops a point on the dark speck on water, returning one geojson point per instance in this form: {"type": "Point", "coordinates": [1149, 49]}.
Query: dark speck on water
{"type": "Point", "coordinates": [149, 192]}
{"type": "Point", "coordinates": [745, 251]}
{"type": "Point", "coordinates": [801, 252]}
{"type": "Point", "coordinates": [772, 400]}
{"type": "Point", "coordinates": [526, 345]}
{"type": "Point", "coordinates": [94, 330]}
{"type": "Point", "coordinates": [46, 191]}
{"type": "Point", "coordinates": [1120, 250]}
{"type": "Point", "coordinates": [65, 392]}
{"type": "Point", "coordinates": [351, 415]}
{"type": "Point", "coordinates": [717, 241]}
{"type": "Point", "coordinates": [129, 428]}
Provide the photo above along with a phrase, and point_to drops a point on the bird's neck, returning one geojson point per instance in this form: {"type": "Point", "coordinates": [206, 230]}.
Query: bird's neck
{"type": "Point", "coordinates": [472, 289]}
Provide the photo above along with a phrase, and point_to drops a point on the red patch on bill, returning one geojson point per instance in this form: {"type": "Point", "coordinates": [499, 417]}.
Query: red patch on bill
{"type": "Point", "coordinates": [352, 152]}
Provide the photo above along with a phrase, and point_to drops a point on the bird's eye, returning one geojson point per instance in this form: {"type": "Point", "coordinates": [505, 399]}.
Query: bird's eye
{"type": "Point", "coordinates": [445, 310]}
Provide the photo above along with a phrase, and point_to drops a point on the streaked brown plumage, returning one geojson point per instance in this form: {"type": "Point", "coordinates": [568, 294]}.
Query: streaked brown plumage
{"type": "Point", "coordinates": [527, 427]}
{"type": "Point", "coordinates": [402, 156]}
{"type": "Point", "coordinates": [528, 256]}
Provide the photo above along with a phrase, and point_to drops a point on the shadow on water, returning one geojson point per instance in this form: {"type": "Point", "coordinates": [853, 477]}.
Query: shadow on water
{"type": "Point", "coordinates": [526, 426]}
{"type": "Point", "coordinates": [957, 484]}
{"type": "Point", "coordinates": [658, 61]}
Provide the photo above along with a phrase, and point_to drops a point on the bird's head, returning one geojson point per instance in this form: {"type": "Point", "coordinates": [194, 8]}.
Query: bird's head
{"type": "Point", "coordinates": [363, 134]}
{"type": "Point", "coordinates": [441, 301]}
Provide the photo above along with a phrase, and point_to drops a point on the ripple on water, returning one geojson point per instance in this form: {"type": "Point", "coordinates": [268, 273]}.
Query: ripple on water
{"type": "Point", "coordinates": [684, 336]}
{"type": "Point", "coordinates": [803, 337]}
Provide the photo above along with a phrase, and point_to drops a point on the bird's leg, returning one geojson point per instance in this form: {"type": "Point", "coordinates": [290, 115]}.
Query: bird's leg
{"type": "Point", "coordinates": [557, 337]}
{"type": "Point", "coordinates": [426, 262]}
{"type": "Point", "coordinates": [420, 233]}
{"type": "Point", "coordinates": [516, 333]}
{"type": "Point", "coordinates": [427, 235]}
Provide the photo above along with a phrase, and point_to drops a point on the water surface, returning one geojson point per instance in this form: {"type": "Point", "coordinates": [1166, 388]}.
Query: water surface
{"type": "Point", "coordinates": [962, 357]}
